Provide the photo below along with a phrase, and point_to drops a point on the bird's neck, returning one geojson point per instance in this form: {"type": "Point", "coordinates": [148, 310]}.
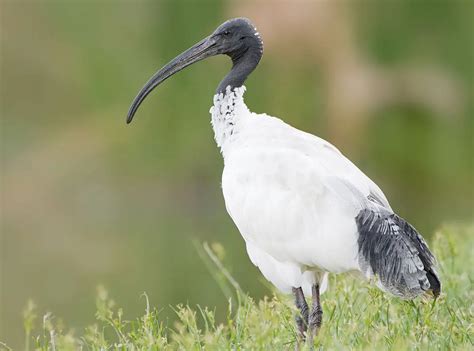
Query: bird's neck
{"type": "Point", "coordinates": [227, 114]}
{"type": "Point", "coordinates": [229, 109]}
{"type": "Point", "coordinates": [244, 61]}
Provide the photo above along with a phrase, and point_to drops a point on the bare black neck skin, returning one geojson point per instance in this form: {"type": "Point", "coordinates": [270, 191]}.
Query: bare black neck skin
{"type": "Point", "coordinates": [244, 62]}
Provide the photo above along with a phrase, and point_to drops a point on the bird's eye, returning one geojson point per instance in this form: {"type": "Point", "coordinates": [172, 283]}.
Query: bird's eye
{"type": "Point", "coordinates": [226, 33]}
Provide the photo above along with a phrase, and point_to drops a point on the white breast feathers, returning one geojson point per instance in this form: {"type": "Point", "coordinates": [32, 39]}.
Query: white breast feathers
{"type": "Point", "coordinates": [228, 110]}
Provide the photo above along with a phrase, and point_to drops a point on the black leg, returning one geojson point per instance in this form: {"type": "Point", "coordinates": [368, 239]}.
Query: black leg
{"type": "Point", "coordinates": [302, 316]}
{"type": "Point", "coordinates": [316, 316]}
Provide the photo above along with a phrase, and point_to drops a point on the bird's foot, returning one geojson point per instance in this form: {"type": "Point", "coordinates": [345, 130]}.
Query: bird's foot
{"type": "Point", "coordinates": [301, 324]}
{"type": "Point", "coordinates": [315, 321]}
{"type": "Point", "coordinates": [302, 314]}
{"type": "Point", "coordinates": [315, 318]}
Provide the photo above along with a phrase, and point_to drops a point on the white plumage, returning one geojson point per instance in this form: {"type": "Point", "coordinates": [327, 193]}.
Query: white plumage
{"type": "Point", "coordinates": [292, 195]}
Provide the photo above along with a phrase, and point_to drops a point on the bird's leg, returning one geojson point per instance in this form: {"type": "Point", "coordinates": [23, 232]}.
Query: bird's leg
{"type": "Point", "coordinates": [302, 316]}
{"type": "Point", "coordinates": [316, 316]}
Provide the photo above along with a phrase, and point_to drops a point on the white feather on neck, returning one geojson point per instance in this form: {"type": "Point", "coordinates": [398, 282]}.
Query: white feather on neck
{"type": "Point", "coordinates": [228, 110]}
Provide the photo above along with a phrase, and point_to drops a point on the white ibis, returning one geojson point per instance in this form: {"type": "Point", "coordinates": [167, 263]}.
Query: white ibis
{"type": "Point", "coordinates": [303, 209]}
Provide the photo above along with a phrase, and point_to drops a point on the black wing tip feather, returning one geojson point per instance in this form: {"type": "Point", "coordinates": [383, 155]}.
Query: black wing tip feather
{"type": "Point", "coordinates": [435, 284]}
{"type": "Point", "coordinates": [391, 249]}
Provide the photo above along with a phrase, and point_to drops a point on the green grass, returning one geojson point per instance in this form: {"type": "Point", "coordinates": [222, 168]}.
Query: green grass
{"type": "Point", "coordinates": [357, 315]}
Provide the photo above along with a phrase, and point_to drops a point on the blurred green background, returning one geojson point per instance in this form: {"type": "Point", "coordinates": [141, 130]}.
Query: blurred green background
{"type": "Point", "coordinates": [87, 200]}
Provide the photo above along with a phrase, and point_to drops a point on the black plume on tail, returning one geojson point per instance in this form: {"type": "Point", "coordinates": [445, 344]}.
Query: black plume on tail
{"type": "Point", "coordinates": [392, 250]}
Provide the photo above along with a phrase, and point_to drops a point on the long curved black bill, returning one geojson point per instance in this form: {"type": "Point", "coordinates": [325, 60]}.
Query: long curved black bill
{"type": "Point", "coordinates": [197, 52]}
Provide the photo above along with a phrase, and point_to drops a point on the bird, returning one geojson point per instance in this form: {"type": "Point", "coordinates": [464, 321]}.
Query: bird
{"type": "Point", "coordinates": [303, 208]}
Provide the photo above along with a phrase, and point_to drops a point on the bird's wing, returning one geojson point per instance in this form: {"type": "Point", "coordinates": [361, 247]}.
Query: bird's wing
{"type": "Point", "coordinates": [389, 247]}
{"type": "Point", "coordinates": [344, 178]}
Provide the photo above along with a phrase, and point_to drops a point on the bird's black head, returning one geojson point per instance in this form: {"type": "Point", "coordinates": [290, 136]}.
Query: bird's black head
{"type": "Point", "coordinates": [236, 38]}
